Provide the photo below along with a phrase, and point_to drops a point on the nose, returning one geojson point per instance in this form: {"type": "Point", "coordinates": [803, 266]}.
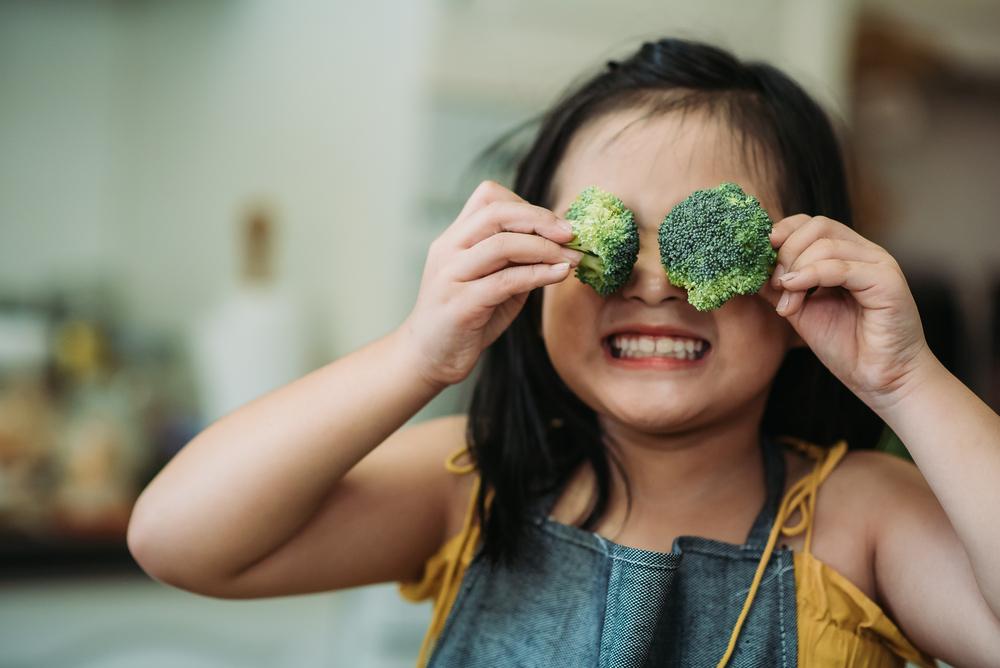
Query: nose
{"type": "Point", "coordinates": [649, 281]}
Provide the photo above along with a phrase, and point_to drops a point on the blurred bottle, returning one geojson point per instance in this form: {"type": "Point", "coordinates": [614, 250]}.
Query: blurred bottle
{"type": "Point", "coordinates": [254, 340]}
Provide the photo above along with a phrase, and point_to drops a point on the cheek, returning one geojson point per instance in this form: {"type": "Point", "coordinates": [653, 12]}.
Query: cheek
{"type": "Point", "coordinates": [570, 328]}
{"type": "Point", "coordinates": [569, 313]}
{"type": "Point", "coordinates": [757, 337]}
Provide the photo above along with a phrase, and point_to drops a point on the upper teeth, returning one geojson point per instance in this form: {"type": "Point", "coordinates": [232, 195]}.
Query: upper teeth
{"type": "Point", "coordinates": [657, 346]}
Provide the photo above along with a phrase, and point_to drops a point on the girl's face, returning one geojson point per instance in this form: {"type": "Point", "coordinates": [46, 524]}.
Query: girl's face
{"type": "Point", "coordinates": [652, 164]}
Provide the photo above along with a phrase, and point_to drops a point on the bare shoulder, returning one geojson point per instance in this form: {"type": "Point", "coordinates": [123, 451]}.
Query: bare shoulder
{"type": "Point", "coordinates": [433, 442]}
{"type": "Point", "coordinates": [878, 485]}
{"type": "Point", "coordinates": [864, 490]}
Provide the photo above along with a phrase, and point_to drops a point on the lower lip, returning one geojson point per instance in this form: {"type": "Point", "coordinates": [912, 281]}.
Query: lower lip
{"type": "Point", "coordinates": [661, 363]}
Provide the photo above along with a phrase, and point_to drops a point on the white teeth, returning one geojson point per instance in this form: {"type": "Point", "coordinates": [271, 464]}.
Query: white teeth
{"type": "Point", "coordinates": [659, 346]}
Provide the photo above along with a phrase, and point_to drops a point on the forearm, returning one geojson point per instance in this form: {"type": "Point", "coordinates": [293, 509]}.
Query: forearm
{"type": "Point", "coordinates": [247, 483]}
{"type": "Point", "coordinates": [954, 438]}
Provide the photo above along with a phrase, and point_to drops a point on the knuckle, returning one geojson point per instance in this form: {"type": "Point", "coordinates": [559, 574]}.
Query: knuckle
{"type": "Point", "coordinates": [789, 224]}
{"type": "Point", "coordinates": [450, 271]}
{"type": "Point", "coordinates": [825, 246]}
{"type": "Point", "coordinates": [482, 195]}
{"type": "Point", "coordinates": [501, 243]}
{"type": "Point", "coordinates": [488, 190]}
{"type": "Point", "coordinates": [493, 214]}
{"type": "Point", "coordinates": [826, 223]}
{"type": "Point", "coordinates": [507, 281]}
{"type": "Point", "coordinates": [493, 206]}
{"type": "Point", "coordinates": [435, 249]}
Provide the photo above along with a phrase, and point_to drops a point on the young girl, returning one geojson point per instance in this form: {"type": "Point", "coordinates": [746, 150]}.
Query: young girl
{"type": "Point", "coordinates": [690, 501]}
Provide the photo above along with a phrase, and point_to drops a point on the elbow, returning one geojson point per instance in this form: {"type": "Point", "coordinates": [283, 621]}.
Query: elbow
{"type": "Point", "coordinates": [165, 558]}
{"type": "Point", "coordinates": [156, 551]}
{"type": "Point", "coordinates": [145, 543]}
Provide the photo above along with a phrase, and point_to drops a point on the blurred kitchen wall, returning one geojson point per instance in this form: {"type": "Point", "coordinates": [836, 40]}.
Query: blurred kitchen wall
{"type": "Point", "coordinates": [138, 137]}
{"type": "Point", "coordinates": [137, 133]}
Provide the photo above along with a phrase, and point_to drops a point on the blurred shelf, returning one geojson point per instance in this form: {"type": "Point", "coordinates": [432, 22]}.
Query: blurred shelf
{"type": "Point", "coordinates": [24, 556]}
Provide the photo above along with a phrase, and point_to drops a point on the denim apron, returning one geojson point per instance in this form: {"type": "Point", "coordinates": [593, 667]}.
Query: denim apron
{"type": "Point", "coordinates": [578, 600]}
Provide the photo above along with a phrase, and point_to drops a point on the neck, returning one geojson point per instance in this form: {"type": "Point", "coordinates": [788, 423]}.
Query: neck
{"type": "Point", "coordinates": [718, 464]}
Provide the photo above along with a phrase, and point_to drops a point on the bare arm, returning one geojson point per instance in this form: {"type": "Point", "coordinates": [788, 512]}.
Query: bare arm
{"type": "Point", "coordinates": [247, 484]}
{"type": "Point", "coordinates": [936, 550]}
{"type": "Point", "coordinates": [286, 495]}
{"type": "Point", "coordinates": [936, 539]}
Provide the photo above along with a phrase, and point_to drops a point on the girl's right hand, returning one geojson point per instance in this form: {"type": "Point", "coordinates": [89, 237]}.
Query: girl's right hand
{"type": "Point", "coordinates": [477, 277]}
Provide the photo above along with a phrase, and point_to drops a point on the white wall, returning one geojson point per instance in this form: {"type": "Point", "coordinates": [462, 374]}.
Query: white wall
{"type": "Point", "coordinates": [56, 134]}
{"type": "Point", "coordinates": [137, 134]}
{"type": "Point", "coordinates": [525, 52]}
{"type": "Point", "coordinates": [315, 111]}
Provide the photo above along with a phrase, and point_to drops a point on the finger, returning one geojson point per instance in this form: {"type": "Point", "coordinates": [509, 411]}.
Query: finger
{"type": "Point", "coordinates": [785, 226]}
{"type": "Point", "coordinates": [791, 302]}
{"type": "Point", "coordinates": [826, 248]}
{"type": "Point", "coordinates": [510, 217]}
{"type": "Point", "coordinates": [486, 193]}
{"type": "Point", "coordinates": [770, 293]}
{"type": "Point", "coordinates": [497, 251]}
{"type": "Point", "coordinates": [500, 286]}
{"type": "Point", "coordinates": [808, 233]}
{"type": "Point", "coordinates": [862, 279]}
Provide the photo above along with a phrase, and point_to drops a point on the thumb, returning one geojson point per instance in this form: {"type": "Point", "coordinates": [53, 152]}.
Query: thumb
{"type": "Point", "coordinates": [770, 294]}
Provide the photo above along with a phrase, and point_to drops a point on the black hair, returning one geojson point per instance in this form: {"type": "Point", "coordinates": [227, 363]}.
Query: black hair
{"type": "Point", "coordinates": [527, 432]}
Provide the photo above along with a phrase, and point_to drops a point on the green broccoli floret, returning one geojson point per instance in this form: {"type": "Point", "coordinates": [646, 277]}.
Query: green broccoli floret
{"type": "Point", "coordinates": [715, 245]}
{"type": "Point", "coordinates": [607, 234]}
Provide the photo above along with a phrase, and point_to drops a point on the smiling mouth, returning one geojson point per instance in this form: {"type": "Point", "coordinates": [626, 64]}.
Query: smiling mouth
{"type": "Point", "coordinates": [636, 346]}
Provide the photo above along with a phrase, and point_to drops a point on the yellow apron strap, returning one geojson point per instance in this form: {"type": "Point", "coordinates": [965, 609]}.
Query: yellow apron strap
{"type": "Point", "coordinates": [801, 496]}
{"type": "Point", "coordinates": [451, 463]}
{"type": "Point", "coordinates": [469, 536]}
{"type": "Point", "coordinates": [827, 465]}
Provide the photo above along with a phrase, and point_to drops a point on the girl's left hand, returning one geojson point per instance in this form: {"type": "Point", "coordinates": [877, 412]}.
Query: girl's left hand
{"type": "Point", "coordinates": [861, 320]}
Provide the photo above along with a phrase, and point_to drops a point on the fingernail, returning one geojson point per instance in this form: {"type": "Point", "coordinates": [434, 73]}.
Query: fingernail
{"type": "Point", "coordinates": [564, 226]}
{"type": "Point", "coordinates": [778, 271]}
{"type": "Point", "coordinates": [561, 267]}
{"type": "Point", "coordinates": [789, 276]}
{"type": "Point", "coordinates": [574, 257]}
{"type": "Point", "coordinates": [783, 302]}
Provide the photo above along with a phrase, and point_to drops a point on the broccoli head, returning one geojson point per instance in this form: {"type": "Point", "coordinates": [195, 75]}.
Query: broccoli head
{"type": "Point", "coordinates": [607, 234]}
{"type": "Point", "coordinates": [715, 245]}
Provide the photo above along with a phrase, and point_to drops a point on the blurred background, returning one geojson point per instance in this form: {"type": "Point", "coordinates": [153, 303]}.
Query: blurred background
{"type": "Point", "coordinates": [202, 200]}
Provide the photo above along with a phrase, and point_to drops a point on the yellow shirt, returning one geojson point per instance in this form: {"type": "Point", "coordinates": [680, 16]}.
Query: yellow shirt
{"type": "Point", "coordinates": [838, 625]}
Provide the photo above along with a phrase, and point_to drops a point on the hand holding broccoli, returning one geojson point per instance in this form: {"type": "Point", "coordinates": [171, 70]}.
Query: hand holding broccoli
{"type": "Point", "coordinates": [607, 234]}
{"type": "Point", "coordinates": [848, 300]}
{"type": "Point", "coordinates": [477, 277]}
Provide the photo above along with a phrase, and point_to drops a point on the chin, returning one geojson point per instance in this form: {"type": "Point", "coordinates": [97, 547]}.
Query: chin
{"type": "Point", "coordinates": [652, 417]}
